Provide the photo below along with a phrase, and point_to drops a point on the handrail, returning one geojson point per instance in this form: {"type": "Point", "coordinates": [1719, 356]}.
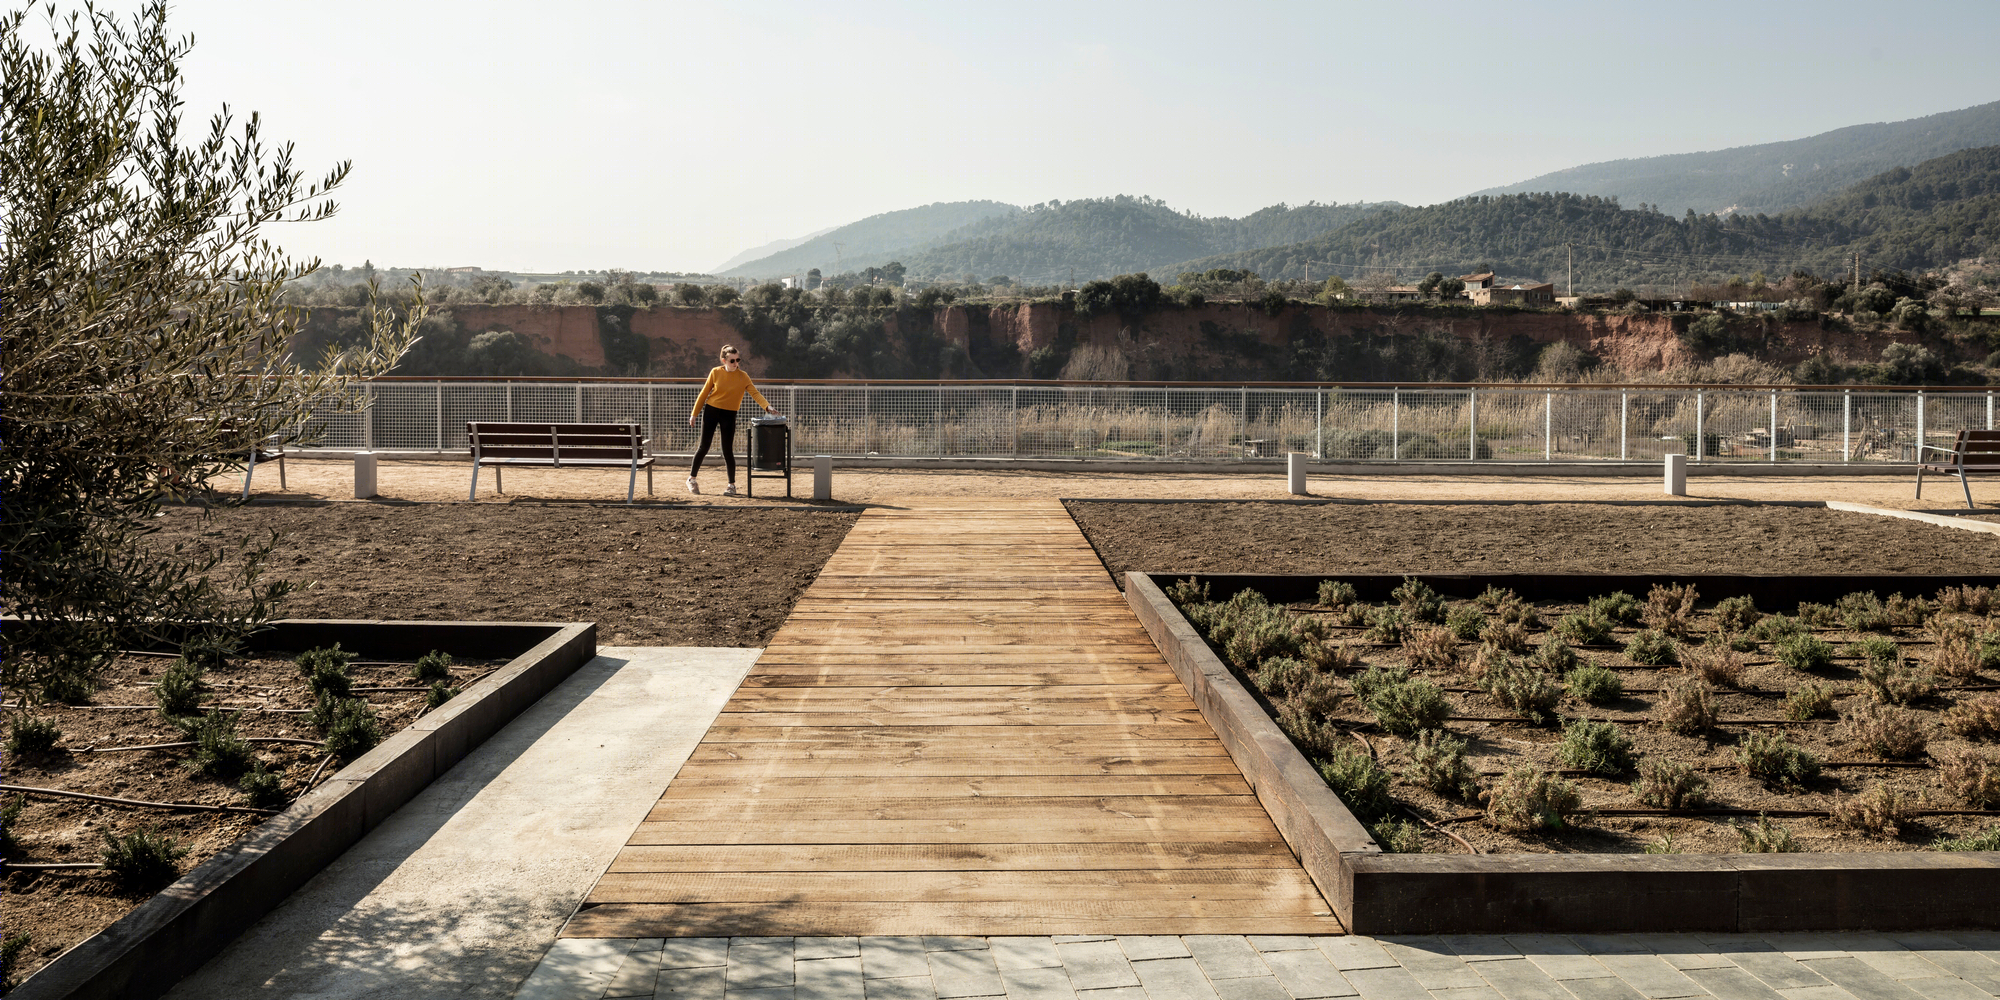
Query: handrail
{"type": "Point", "coordinates": [1218, 386]}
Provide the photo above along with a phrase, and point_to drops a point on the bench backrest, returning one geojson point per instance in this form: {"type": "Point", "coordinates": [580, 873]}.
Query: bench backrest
{"type": "Point", "coordinates": [1979, 447]}
{"type": "Point", "coordinates": [556, 442]}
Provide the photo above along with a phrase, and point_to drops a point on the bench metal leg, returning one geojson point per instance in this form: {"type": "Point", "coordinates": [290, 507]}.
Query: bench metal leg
{"type": "Point", "coordinates": [631, 484]}
{"type": "Point", "coordinates": [649, 480]}
{"type": "Point", "coordinates": [499, 484]}
{"type": "Point", "coordinates": [1968, 486]}
{"type": "Point", "coordinates": [1920, 482]}
{"type": "Point", "coordinates": [248, 471]}
{"type": "Point", "coordinates": [474, 493]}
{"type": "Point", "coordinates": [281, 473]}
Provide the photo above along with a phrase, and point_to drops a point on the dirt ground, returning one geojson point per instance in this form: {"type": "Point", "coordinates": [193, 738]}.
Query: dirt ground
{"type": "Point", "coordinates": [59, 908]}
{"type": "Point", "coordinates": [1541, 538]}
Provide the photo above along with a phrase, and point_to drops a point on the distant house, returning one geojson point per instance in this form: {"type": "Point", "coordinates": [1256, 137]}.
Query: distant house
{"type": "Point", "coordinates": [1393, 293]}
{"type": "Point", "coordinates": [1473, 282]}
{"type": "Point", "coordinates": [1543, 294]}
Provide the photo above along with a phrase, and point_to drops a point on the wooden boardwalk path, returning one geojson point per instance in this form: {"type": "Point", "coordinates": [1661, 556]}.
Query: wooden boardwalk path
{"type": "Point", "coordinates": [960, 730]}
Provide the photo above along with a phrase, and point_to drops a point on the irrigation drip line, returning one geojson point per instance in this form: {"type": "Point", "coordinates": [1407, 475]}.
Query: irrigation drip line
{"type": "Point", "coordinates": [24, 866]}
{"type": "Point", "coordinates": [155, 708]}
{"type": "Point", "coordinates": [1462, 842]}
{"type": "Point", "coordinates": [1575, 772]}
{"type": "Point", "coordinates": [142, 803]}
{"type": "Point", "coordinates": [1785, 813]}
{"type": "Point", "coordinates": [176, 746]}
{"type": "Point", "coordinates": [315, 777]}
{"type": "Point", "coordinates": [382, 690]}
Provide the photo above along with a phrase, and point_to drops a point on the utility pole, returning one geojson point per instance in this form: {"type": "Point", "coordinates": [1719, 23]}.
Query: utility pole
{"type": "Point", "coordinates": [838, 267]}
{"type": "Point", "coordinates": [1572, 269]}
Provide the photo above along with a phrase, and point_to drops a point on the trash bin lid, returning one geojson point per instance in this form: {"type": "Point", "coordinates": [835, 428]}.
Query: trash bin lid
{"type": "Point", "coordinates": [767, 421]}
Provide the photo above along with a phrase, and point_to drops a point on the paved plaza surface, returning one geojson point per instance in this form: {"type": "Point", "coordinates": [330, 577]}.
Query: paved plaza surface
{"type": "Point", "coordinates": [1916, 966]}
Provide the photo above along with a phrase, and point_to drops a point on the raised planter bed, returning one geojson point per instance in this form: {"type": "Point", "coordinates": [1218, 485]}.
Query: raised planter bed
{"type": "Point", "coordinates": [174, 932]}
{"type": "Point", "coordinates": [1379, 893]}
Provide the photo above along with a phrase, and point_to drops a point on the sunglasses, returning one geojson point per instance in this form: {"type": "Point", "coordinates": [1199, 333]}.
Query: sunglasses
{"type": "Point", "coordinates": [732, 359]}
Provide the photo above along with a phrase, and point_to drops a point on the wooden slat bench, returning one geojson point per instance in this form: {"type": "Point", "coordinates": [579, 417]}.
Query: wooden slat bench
{"type": "Point", "coordinates": [587, 446]}
{"type": "Point", "coordinates": [1976, 452]}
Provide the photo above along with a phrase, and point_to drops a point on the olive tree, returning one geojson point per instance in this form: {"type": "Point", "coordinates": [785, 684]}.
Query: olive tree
{"type": "Point", "coordinates": [145, 340]}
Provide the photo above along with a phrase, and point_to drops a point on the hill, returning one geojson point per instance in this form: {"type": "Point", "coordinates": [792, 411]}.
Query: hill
{"type": "Point", "coordinates": [870, 237]}
{"type": "Point", "coordinates": [758, 253]}
{"type": "Point", "coordinates": [1773, 176]}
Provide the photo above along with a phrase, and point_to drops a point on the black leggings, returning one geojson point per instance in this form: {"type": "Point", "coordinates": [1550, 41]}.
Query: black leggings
{"type": "Point", "coordinates": [713, 417]}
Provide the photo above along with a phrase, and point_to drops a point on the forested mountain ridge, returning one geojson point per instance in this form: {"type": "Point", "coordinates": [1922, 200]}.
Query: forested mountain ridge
{"type": "Point", "coordinates": [876, 236]}
{"type": "Point", "coordinates": [1773, 176]}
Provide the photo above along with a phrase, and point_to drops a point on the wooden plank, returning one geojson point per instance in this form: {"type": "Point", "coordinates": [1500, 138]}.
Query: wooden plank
{"type": "Point", "coordinates": [1137, 735]}
{"type": "Point", "coordinates": [826, 677]}
{"type": "Point", "coordinates": [975, 919]}
{"type": "Point", "coordinates": [734, 787]}
{"type": "Point", "coordinates": [828, 765]}
{"type": "Point", "coordinates": [1195, 812]}
{"type": "Point", "coordinates": [1190, 718]}
{"type": "Point", "coordinates": [1269, 884]}
{"type": "Point", "coordinates": [797, 859]}
{"type": "Point", "coordinates": [969, 692]}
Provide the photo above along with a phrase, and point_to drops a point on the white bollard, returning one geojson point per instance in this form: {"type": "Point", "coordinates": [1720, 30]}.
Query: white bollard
{"type": "Point", "coordinates": [1677, 475]}
{"type": "Point", "coordinates": [364, 475]}
{"type": "Point", "coordinates": [822, 477]}
{"type": "Point", "coordinates": [1295, 471]}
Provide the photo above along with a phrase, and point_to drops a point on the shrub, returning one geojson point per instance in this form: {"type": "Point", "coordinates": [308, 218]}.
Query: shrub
{"type": "Point", "coordinates": [1408, 707]}
{"type": "Point", "coordinates": [1818, 615]}
{"type": "Point", "coordinates": [261, 788]}
{"type": "Point", "coordinates": [1319, 696]}
{"type": "Point", "coordinates": [1584, 630]}
{"type": "Point", "coordinates": [218, 751]}
{"type": "Point", "coordinates": [434, 666]}
{"type": "Point", "coordinates": [1686, 706]}
{"type": "Point", "coordinates": [1875, 649]}
{"type": "Point", "coordinates": [1494, 596]}
{"type": "Point", "coordinates": [1594, 684]}
{"type": "Point", "coordinates": [1354, 615]}
{"type": "Point", "coordinates": [1664, 845]}
{"type": "Point", "coordinates": [1360, 782]}
{"type": "Point", "coordinates": [1974, 717]}
{"type": "Point", "coordinates": [1264, 636]}
{"type": "Point", "coordinates": [1438, 762]}
{"type": "Point", "coordinates": [1398, 836]}
{"type": "Point", "coordinates": [1466, 622]}
{"type": "Point", "coordinates": [1737, 614]}
{"type": "Point", "coordinates": [1324, 656]}
{"type": "Point", "coordinates": [1315, 736]}
{"type": "Point", "coordinates": [1186, 592]}
{"type": "Point", "coordinates": [1897, 683]}
{"type": "Point", "coordinates": [1531, 694]}
{"type": "Point", "coordinates": [1618, 607]}
{"type": "Point", "coordinates": [1506, 637]}
{"type": "Point", "coordinates": [1987, 841]}
{"type": "Point", "coordinates": [1596, 747]}
{"type": "Point", "coordinates": [328, 679]}
{"type": "Point", "coordinates": [1485, 661]}
{"type": "Point", "coordinates": [330, 656]}
{"type": "Point", "coordinates": [1387, 625]}
{"type": "Point", "coordinates": [1965, 600]}
{"type": "Point", "coordinates": [10, 845]}
{"type": "Point", "coordinates": [1518, 612]}
{"type": "Point", "coordinates": [1804, 651]}
{"type": "Point", "coordinates": [1670, 609]}
{"type": "Point", "coordinates": [1880, 810]}
{"type": "Point", "coordinates": [1908, 612]}
{"type": "Point", "coordinates": [179, 690]}
{"type": "Point", "coordinates": [142, 861]}
{"type": "Point", "coordinates": [1716, 664]}
{"type": "Point", "coordinates": [1368, 683]}
{"type": "Point", "coordinates": [1555, 656]}
{"type": "Point", "coordinates": [1335, 593]}
{"type": "Point", "coordinates": [1896, 733]}
{"type": "Point", "coordinates": [1957, 652]}
{"type": "Point", "coordinates": [209, 652]}
{"type": "Point", "coordinates": [1308, 630]}
{"type": "Point", "coordinates": [1419, 602]}
{"type": "Point", "coordinates": [30, 734]}
{"type": "Point", "coordinates": [1862, 611]}
{"type": "Point", "coordinates": [1664, 784]}
{"type": "Point", "coordinates": [1773, 628]}
{"type": "Point", "coordinates": [1765, 838]}
{"type": "Point", "coordinates": [1651, 648]}
{"type": "Point", "coordinates": [1528, 798]}
{"type": "Point", "coordinates": [1970, 776]}
{"type": "Point", "coordinates": [1808, 701]}
{"type": "Point", "coordinates": [1432, 649]}
{"type": "Point", "coordinates": [1280, 675]}
{"type": "Point", "coordinates": [1772, 759]}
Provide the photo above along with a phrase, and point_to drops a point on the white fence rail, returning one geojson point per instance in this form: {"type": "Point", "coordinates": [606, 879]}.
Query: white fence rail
{"type": "Point", "coordinates": [1214, 423]}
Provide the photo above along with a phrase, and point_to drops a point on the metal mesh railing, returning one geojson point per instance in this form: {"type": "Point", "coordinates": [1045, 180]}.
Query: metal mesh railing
{"type": "Point", "coordinates": [1193, 423]}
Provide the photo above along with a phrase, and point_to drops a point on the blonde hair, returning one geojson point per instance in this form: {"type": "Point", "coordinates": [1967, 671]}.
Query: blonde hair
{"type": "Point", "coordinates": [727, 350]}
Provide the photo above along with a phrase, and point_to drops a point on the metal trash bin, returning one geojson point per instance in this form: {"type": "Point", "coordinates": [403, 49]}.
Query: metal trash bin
{"type": "Point", "coordinates": [770, 453]}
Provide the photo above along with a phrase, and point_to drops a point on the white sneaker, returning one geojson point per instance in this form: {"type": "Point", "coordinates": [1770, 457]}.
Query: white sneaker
{"type": "Point", "coordinates": [730, 490]}
{"type": "Point", "coordinates": [693, 487]}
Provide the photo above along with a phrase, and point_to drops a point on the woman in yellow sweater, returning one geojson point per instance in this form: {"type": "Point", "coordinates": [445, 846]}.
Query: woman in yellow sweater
{"type": "Point", "coordinates": [716, 408]}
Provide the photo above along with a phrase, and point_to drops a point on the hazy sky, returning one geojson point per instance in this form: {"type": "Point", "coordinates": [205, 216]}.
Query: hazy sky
{"type": "Point", "coordinates": [668, 136]}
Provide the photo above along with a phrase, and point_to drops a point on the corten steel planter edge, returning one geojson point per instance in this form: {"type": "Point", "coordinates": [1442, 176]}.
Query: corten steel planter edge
{"type": "Point", "coordinates": [170, 935]}
{"type": "Point", "coordinates": [1377, 893]}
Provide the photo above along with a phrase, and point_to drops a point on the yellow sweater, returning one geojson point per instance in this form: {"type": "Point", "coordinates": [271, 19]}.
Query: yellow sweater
{"type": "Point", "coordinates": [724, 391]}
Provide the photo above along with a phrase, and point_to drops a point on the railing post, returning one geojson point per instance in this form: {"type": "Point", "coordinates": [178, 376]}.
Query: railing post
{"type": "Point", "coordinates": [1624, 435]}
{"type": "Point", "coordinates": [439, 436]}
{"type": "Point", "coordinates": [1774, 426]}
{"type": "Point", "coordinates": [578, 408]}
{"type": "Point", "coordinates": [867, 422]}
{"type": "Point", "coordinates": [1548, 427]}
{"type": "Point", "coordinates": [1920, 426]}
{"type": "Point", "coordinates": [1700, 439]}
{"type": "Point", "coordinates": [652, 424]}
{"type": "Point", "coordinates": [510, 401]}
{"type": "Point", "coordinates": [1396, 425]}
{"type": "Point", "coordinates": [1472, 425]}
{"type": "Point", "coordinates": [1242, 415]}
{"type": "Point", "coordinates": [1014, 419]}
{"type": "Point", "coordinates": [367, 418]}
{"type": "Point", "coordinates": [1989, 409]}
{"type": "Point", "coordinates": [1847, 425]}
{"type": "Point", "coordinates": [1319, 423]}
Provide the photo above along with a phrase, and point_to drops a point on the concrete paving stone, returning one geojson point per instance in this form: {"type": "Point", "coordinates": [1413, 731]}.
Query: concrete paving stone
{"type": "Point", "coordinates": [1096, 965]}
{"type": "Point", "coordinates": [1024, 953]}
{"type": "Point", "coordinates": [1946, 954]}
{"type": "Point", "coordinates": [1530, 945]}
{"type": "Point", "coordinates": [1308, 974]}
{"type": "Point", "coordinates": [807, 949]}
{"type": "Point", "coordinates": [1226, 956]}
{"type": "Point", "coordinates": [1434, 965]}
{"type": "Point", "coordinates": [1610, 944]}
{"type": "Point", "coordinates": [1518, 979]}
{"type": "Point", "coordinates": [764, 993]}
{"type": "Point", "coordinates": [637, 976]}
{"type": "Point", "coordinates": [1481, 992]}
{"type": "Point", "coordinates": [1355, 953]}
{"type": "Point", "coordinates": [1113, 993]}
{"type": "Point", "coordinates": [1558, 956]}
{"type": "Point", "coordinates": [829, 979]}
{"type": "Point", "coordinates": [1827, 992]}
{"type": "Point", "coordinates": [1651, 976]}
{"type": "Point", "coordinates": [1777, 971]}
{"type": "Point", "coordinates": [1037, 983]}
{"type": "Point", "coordinates": [1481, 947]}
{"type": "Point", "coordinates": [1948, 988]}
{"type": "Point", "coordinates": [1604, 988]}
{"type": "Point", "coordinates": [1890, 958]}
{"type": "Point", "coordinates": [1986, 943]}
{"type": "Point", "coordinates": [1803, 945]}
{"type": "Point", "coordinates": [1250, 988]}
{"type": "Point", "coordinates": [1861, 979]}
{"type": "Point", "coordinates": [575, 968]}
{"type": "Point", "coordinates": [954, 943]}
{"type": "Point", "coordinates": [1684, 951]}
{"type": "Point", "coordinates": [1173, 979]}
{"type": "Point", "coordinates": [1145, 947]}
{"type": "Point", "coordinates": [1279, 942]}
{"type": "Point", "coordinates": [1080, 938]}
{"type": "Point", "coordinates": [694, 953]}
{"type": "Point", "coordinates": [1386, 984]}
{"type": "Point", "coordinates": [1731, 943]}
{"type": "Point", "coordinates": [705, 983]}
{"type": "Point", "coordinates": [1733, 984]}
{"type": "Point", "coordinates": [893, 958]}
{"type": "Point", "coordinates": [757, 963]}
{"type": "Point", "coordinates": [901, 988]}
{"type": "Point", "coordinates": [965, 973]}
